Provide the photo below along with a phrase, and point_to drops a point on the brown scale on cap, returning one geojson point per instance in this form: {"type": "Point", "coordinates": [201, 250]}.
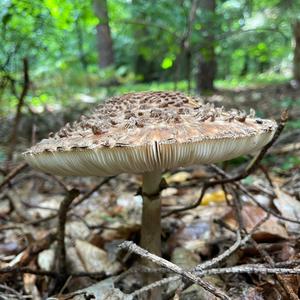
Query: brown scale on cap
{"type": "Point", "coordinates": [137, 119]}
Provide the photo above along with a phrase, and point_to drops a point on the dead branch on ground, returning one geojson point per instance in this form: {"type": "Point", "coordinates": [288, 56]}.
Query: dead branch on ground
{"type": "Point", "coordinates": [61, 248]}
{"type": "Point", "coordinates": [12, 174]}
{"type": "Point", "coordinates": [132, 247]}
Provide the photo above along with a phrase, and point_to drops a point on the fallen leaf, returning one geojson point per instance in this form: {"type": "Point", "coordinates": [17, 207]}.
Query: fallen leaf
{"type": "Point", "coordinates": [252, 215]}
{"type": "Point", "coordinates": [103, 290]}
{"type": "Point", "coordinates": [193, 237]}
{"type": "Point", "coordinates": [289, 207]}
{"type": "Point", "coordinates": [185, 258]}
{"type": "Point", "coordinates": [95, 259]}
{"type": "Point", "coordinates": [77, 229]}
{"type": "Point", "coordinates": [46, 259]}
{"type": "Point", "coordinates": [178, 177]}
{"type": "Point", "coordinates": [30, 287]}
{"type": "Point", "coordinates": [214, 197]}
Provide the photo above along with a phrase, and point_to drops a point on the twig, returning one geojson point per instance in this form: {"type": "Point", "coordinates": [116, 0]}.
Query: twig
{"type": "Point", "coordinates": [154, 285]}
{"type": "Point", "coordinates": [250, 269]}
{"type": "Point", "coordinates": [238, 208]}
{"type": "Point", "coordinates": [60, 182]}
{"type": "Point", "coordinates": [12, 174]}
{"type": "Point", "coordinates": [78, 200]}
{"type": "Point", "coordinates": [83, 197]}
{"type": "Point", "coordinates": [23, 270]}
{"type": "Point", "coordinates": [16, 294]}
{"type": "Point", "coordinates": [61, 250]}
{"type": "Point", "coordinates": [286, 286]}
{"type": "Point", "coordinates": [238, 243]}
{"type": "Point", "coordinates": [245, 191]}
{"type": "Point", "coordinates": [289, 263]}
{"type": "Point", "coordinates": [130, 246]}
{"type": "Point", "coordinates": [16, 205]}
{"type": "Point", "coordinates": [206, 185]}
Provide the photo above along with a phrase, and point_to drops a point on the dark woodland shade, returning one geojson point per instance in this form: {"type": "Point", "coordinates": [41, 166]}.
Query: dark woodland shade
{"type": "Point", "coordinates": [142, 132]}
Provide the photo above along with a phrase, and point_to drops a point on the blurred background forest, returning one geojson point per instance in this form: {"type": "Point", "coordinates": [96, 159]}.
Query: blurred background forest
{"type": "Point", "coordinates": [58, 57]}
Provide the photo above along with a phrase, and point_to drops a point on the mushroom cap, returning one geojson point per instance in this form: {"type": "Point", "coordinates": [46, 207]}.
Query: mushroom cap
{"type": "Point", "coordinates": [147, 131]}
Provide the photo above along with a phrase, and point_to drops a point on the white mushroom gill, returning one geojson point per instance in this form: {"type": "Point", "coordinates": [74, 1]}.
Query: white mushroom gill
{"type": "Point", "coordinates": [112, 161]}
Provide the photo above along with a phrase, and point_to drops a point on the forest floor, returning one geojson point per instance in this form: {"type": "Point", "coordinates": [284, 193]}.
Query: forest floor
{"type": "Point", "coordinates": [251, 225]}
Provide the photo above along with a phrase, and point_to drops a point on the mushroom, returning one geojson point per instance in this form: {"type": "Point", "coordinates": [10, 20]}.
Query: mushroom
{"type": "Point", "coordinates": [147, 133]}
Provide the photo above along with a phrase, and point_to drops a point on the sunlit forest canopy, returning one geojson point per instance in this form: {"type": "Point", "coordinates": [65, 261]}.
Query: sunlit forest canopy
{"type": "Point", "coordinates": [80, 52]}
{"type": "Point", "coordinates": [165, 41]}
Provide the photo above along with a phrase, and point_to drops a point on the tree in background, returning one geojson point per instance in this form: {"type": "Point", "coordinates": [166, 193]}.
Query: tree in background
{"type": "Point", "coordinates": [190, 41]}
{"type": "Point", "coordinates": [207, 65]}
{"type": "Point", "coordinates": [104, 39]}
{"type": "Point", "coordinates": [296, 60]}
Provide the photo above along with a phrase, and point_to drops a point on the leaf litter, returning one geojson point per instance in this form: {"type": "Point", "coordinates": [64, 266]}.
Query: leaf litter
{"type": "Point", "coordinates": [96, 227]}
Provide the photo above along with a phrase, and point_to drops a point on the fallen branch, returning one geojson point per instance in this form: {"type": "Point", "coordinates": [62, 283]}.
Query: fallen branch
{"type": "Point", "coordinates": [238, 205]}
{"type": "Point", "coordinates": [245, 191]}
{"type": "Point", "coordinates": [130, 246]}
{"type": "Point", "coordinates": [268, 259]}
{"type": "Point", "coordinates": [78, 200]}
{"type": "Point", "coordinates": [12, 174]}
{"type": "Point", "coordinates": [154, 285]}
{"type": "Point", "coordinates": [249, 269]}
{"type": "Point", "coordinates": [26, 270]}
{"type": "Point", "coordinates": [61, 248]}
{"type": "Point", "coordinates": [238, 243]}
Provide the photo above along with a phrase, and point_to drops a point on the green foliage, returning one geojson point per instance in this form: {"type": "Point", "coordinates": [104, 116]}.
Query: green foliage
{"type": "Point", "coordinates": [252, 42]}
{"type": "Point", "coordinates": [146, 37]}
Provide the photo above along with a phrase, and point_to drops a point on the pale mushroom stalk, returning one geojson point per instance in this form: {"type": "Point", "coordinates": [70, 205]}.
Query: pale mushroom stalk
{"type": "Point", "coordinates": [151, 228]}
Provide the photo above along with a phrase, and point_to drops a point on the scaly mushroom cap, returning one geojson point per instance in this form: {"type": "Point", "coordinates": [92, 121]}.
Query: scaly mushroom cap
{"type": "Point", "coordinates": [142, 132]}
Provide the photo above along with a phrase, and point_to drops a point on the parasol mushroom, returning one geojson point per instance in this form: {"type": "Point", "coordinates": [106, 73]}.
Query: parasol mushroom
{"type": "Point", "coordinates": [147, 133]}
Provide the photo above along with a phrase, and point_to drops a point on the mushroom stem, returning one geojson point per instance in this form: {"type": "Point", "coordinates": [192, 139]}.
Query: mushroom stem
{"type": "Point", "coordinates": [151, 229]}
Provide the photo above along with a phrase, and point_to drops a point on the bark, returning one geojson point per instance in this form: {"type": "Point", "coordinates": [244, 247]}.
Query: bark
{"type": "Point", "coordinates": [184, 59]}
{"type": "Point", "coordinates": [207, 65]}
{"type": "Point", "coordinates": [245, 69]}
{"type": "Point", "coordinates": [79, 35]}
{"type": "Point", "coordinates": [296, 60]}
{"type": "Point", "coordinates": [104, 39]}
{"type": "Point", "coordinates": [21, 99]}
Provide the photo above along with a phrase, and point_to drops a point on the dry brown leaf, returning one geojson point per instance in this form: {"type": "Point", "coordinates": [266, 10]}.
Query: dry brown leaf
{"type": "Point", "coordinates": [252, 215]}
{"type": "Point", "coordinates": [122, 232]}
{"type": "Point", "coordinates": [215, 197]}
{"type": "Point", "coordinates": [103, 290]}
{"type": "Point", "coordinates": [185, 258]}
{"type": "Point", "coordinates": [30, 287]}
{"type": "Point", "coordinates": [178, 177]}
{"type": "Point", "coordinates": [95, 259]}
{"type": "Point", "coordinates": [193, 237]}
{"type": "Point", "coordinates": [46, 259]}
{"type": "Point", "coordinates": [289, 207]}
{"type": "Point", "coordinates": [77, 229]}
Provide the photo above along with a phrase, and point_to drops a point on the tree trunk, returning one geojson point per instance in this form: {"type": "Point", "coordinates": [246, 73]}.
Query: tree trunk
{"type": "Point", "coordinates": [207, 65]}
{"type": "Point", "coordinates": [296, 61]}
{"type": "Point", "coordinates": [104, 40]}
{"type": "Point", "coordinates": [245, 69]}
{"type": "Point", "coordinates": [81, 53]}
